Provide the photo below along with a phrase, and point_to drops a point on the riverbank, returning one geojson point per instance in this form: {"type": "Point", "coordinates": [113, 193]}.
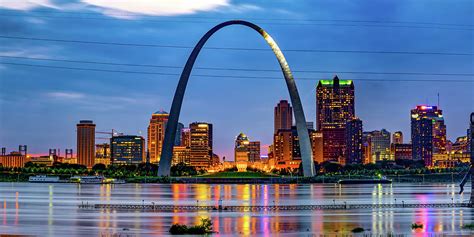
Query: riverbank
{"type": "Point", "coordinates": [262, 179]}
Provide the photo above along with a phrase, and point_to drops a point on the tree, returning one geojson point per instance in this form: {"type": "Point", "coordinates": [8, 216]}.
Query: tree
{"type": "Point", "coordinates": [99, 167]}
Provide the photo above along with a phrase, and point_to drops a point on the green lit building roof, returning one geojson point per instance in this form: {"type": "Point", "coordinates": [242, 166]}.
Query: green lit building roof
{"type": "Point", "coordinates": [331, 82]}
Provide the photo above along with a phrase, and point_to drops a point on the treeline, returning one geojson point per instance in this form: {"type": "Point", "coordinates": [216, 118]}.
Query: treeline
{"type": "Point", "coordinates": [112, 171]}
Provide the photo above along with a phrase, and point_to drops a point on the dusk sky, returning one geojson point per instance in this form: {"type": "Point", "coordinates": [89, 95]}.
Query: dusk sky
{"type": "Point", "coordinates": [40, 106]}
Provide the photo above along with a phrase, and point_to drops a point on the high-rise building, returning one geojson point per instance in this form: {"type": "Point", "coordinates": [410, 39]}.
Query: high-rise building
{"type": "Point", "coordinates": [185, 137]}
{"type": "Point", "coordinates": [428, 133]}
{"type": "Point", "coordinates": [353, 144]}
{"type": "Point", "coordinates": [379, 142]}
{"type": "Point", "coordinates": [177, 139]}
{"type": "Point", "coordinates": [254, 151]}
{"type": "Point", "coordinates": [200, 155]}
{"type": "Point", "coordinates": [241, 152]}
{"type": "Point", "coordinates": [127, 149]}
{"type": "Point", "coordinates": [317, 146]}
{"type": "Point", "coordinates": [283, 116]}
{"type": "Point", "coordinates": [86, 143]}
{"type": "Point", "coordinates": [334, 108]}
{"type": "Point", "coordinates": [283, 146]}
{"type": "Point", "coordinates": [156, 134]}
{"type": "Point", "coordinates": [397, 137]}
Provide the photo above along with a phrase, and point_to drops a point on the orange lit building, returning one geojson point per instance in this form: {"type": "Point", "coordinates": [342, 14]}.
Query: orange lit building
{"type": "Point", "coordinates": [14, 159]}
{"type": "Point", "coordinates": [156, 134]}
{"type": "Point", "coordinates": [86, 143]}
{"type": "Point", "coordinates": [201, 145]}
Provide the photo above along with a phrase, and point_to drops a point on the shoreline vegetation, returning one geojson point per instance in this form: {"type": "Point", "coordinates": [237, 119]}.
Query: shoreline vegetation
{"type": "Point", "coordinates": [146, 173]}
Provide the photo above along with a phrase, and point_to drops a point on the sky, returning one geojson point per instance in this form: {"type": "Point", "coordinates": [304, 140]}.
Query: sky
{"type": "Point", "coordinates": [40, 106]}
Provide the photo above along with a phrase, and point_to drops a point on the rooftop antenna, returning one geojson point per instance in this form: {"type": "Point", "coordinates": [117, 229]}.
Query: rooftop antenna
{"type": "Point", "coordinates": [438, 99]}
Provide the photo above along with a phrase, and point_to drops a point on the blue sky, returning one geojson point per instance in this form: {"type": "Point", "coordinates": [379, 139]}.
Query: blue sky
{"type": "Point", "coordinates": [40, 106]}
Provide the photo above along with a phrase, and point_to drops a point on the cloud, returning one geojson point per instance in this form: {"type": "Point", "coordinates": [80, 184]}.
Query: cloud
{"type": "Point", "coordinates": [26, 5]}
{"type": "Point", "coordinates": [241, 8]}
{"type": "Point", "coordinates": [120, 8]}
{"type": "Point", "coordinates": [65, 95]}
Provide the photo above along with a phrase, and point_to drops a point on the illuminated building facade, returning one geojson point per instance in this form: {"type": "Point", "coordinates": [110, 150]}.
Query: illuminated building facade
{"type": "Point", "coordinates": [181, 154]}
{"type": "Point", "coordinates": [127, 149]}
{"type": "Point", "coordinates": [156, 134]}
{"type": "Point", "coordinates": [102, 154]}
{"type": "Point", "coordinates": [317, 146]}
{"type": "Point", "coordinates": [254, 151]}
{"type": "Point", "coordinates": [353, 142]}
{"type": "Point", "coordinates": [401, 151]}
{"type": "Point", "coordinates": [428, 133]}
{"type": "Point", "coordinates": [14, 159]}
{"type": "Point", "coordinates": [185, 137]}
{"type": "Point", "coordinates": [283, 116]}
{"type": "Point", "coordinates": [86, 143]}
{"type": "Point", "coordinates": [334, 108]}
{"type": "Point", "coordinates": [200, 144]}
{"type": "Point", "coordinates": [379, 145]}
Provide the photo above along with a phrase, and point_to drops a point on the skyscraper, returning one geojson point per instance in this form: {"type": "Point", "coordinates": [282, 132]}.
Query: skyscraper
{"type": "Point", "coordinates": [200, 154]}
{"type": "Point", "coordinates": [334, 108]}
{"type": "Point", "coordinates": [86, 143]}
{"type": "Point", "coordinates": [241, 152]}
{"type": "Point", "coordinates": [353, 136]}
{"type": "Point", "coordinates": [156, 134]}
{"type": "Point", "coordinates": [428, 133]}
{"type": "Point", "coordinates": [283, 116]}
{"type": "Point", "coordinates": [185, 137]}
{"type": "Point", "coordinates": [127, 149]}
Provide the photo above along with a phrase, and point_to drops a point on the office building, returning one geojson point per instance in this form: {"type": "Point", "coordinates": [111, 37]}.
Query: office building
{"type": "Point", "coordinates": [353, 143]}
{"type": "Point", "coordinates": [86, 143]}
{"type": "Point", "coordinates": [379, 145]}
{"type": "Point", "coordinates": [317, 146]}
{"type": "Point", "coordinates": [156, 135]}
{"type": "Point", "coordinates": [428, 133]}
{"type": "Point", "coordinates": [283, 116]}
{"type": "Point", "coordinates": [401, 151]}
{"type": "Point", "coordinates": [254, 151]}
{"type": "Point", "coordinates": [200, 144]}
{"type": "Point", "coordinates": [181, 154]}
{"type": "Point", "coordinates": [127, 149]}
{"type": "Point", "coordinates": [334, 108]}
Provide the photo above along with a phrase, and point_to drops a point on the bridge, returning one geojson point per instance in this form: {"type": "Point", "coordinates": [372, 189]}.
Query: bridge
{"type": "Point", "coordinates": [344, 206]}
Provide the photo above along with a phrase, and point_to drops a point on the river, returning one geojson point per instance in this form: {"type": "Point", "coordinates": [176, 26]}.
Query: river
{"type": "Point", "coordinates": [52, 209]}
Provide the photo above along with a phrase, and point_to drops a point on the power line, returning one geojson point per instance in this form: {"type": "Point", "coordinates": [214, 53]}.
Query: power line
{"type": "Point", "coordinates": [237, 69]}
{"type": "Point", "coordinates": [232, 48]}
{"type": "Point", "coordinates": [226, 76]}
{"type": "Point", "coordinates": [254, 18]}
{"type": "Point", "coordinates": [311, 22]}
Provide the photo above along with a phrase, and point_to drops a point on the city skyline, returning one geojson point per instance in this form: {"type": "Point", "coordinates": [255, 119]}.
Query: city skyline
{"type": "Point", "coordinates": [108, 100]}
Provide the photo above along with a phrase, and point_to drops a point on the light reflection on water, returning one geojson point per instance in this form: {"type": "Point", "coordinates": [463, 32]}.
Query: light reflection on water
{"type": "Point", "coordinates": [51, 209]}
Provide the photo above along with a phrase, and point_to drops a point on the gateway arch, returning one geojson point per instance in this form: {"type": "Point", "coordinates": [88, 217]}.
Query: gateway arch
{"type": "Point", "coordinates": [302, 130]}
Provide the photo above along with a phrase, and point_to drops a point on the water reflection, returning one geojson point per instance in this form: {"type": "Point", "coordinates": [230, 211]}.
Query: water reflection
{"type": "Point", "coordinates": [26, 205]}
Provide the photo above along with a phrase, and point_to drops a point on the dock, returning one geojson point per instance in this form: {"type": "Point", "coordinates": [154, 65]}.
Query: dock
{"type": "Point", "coordinates": [345, 206]}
